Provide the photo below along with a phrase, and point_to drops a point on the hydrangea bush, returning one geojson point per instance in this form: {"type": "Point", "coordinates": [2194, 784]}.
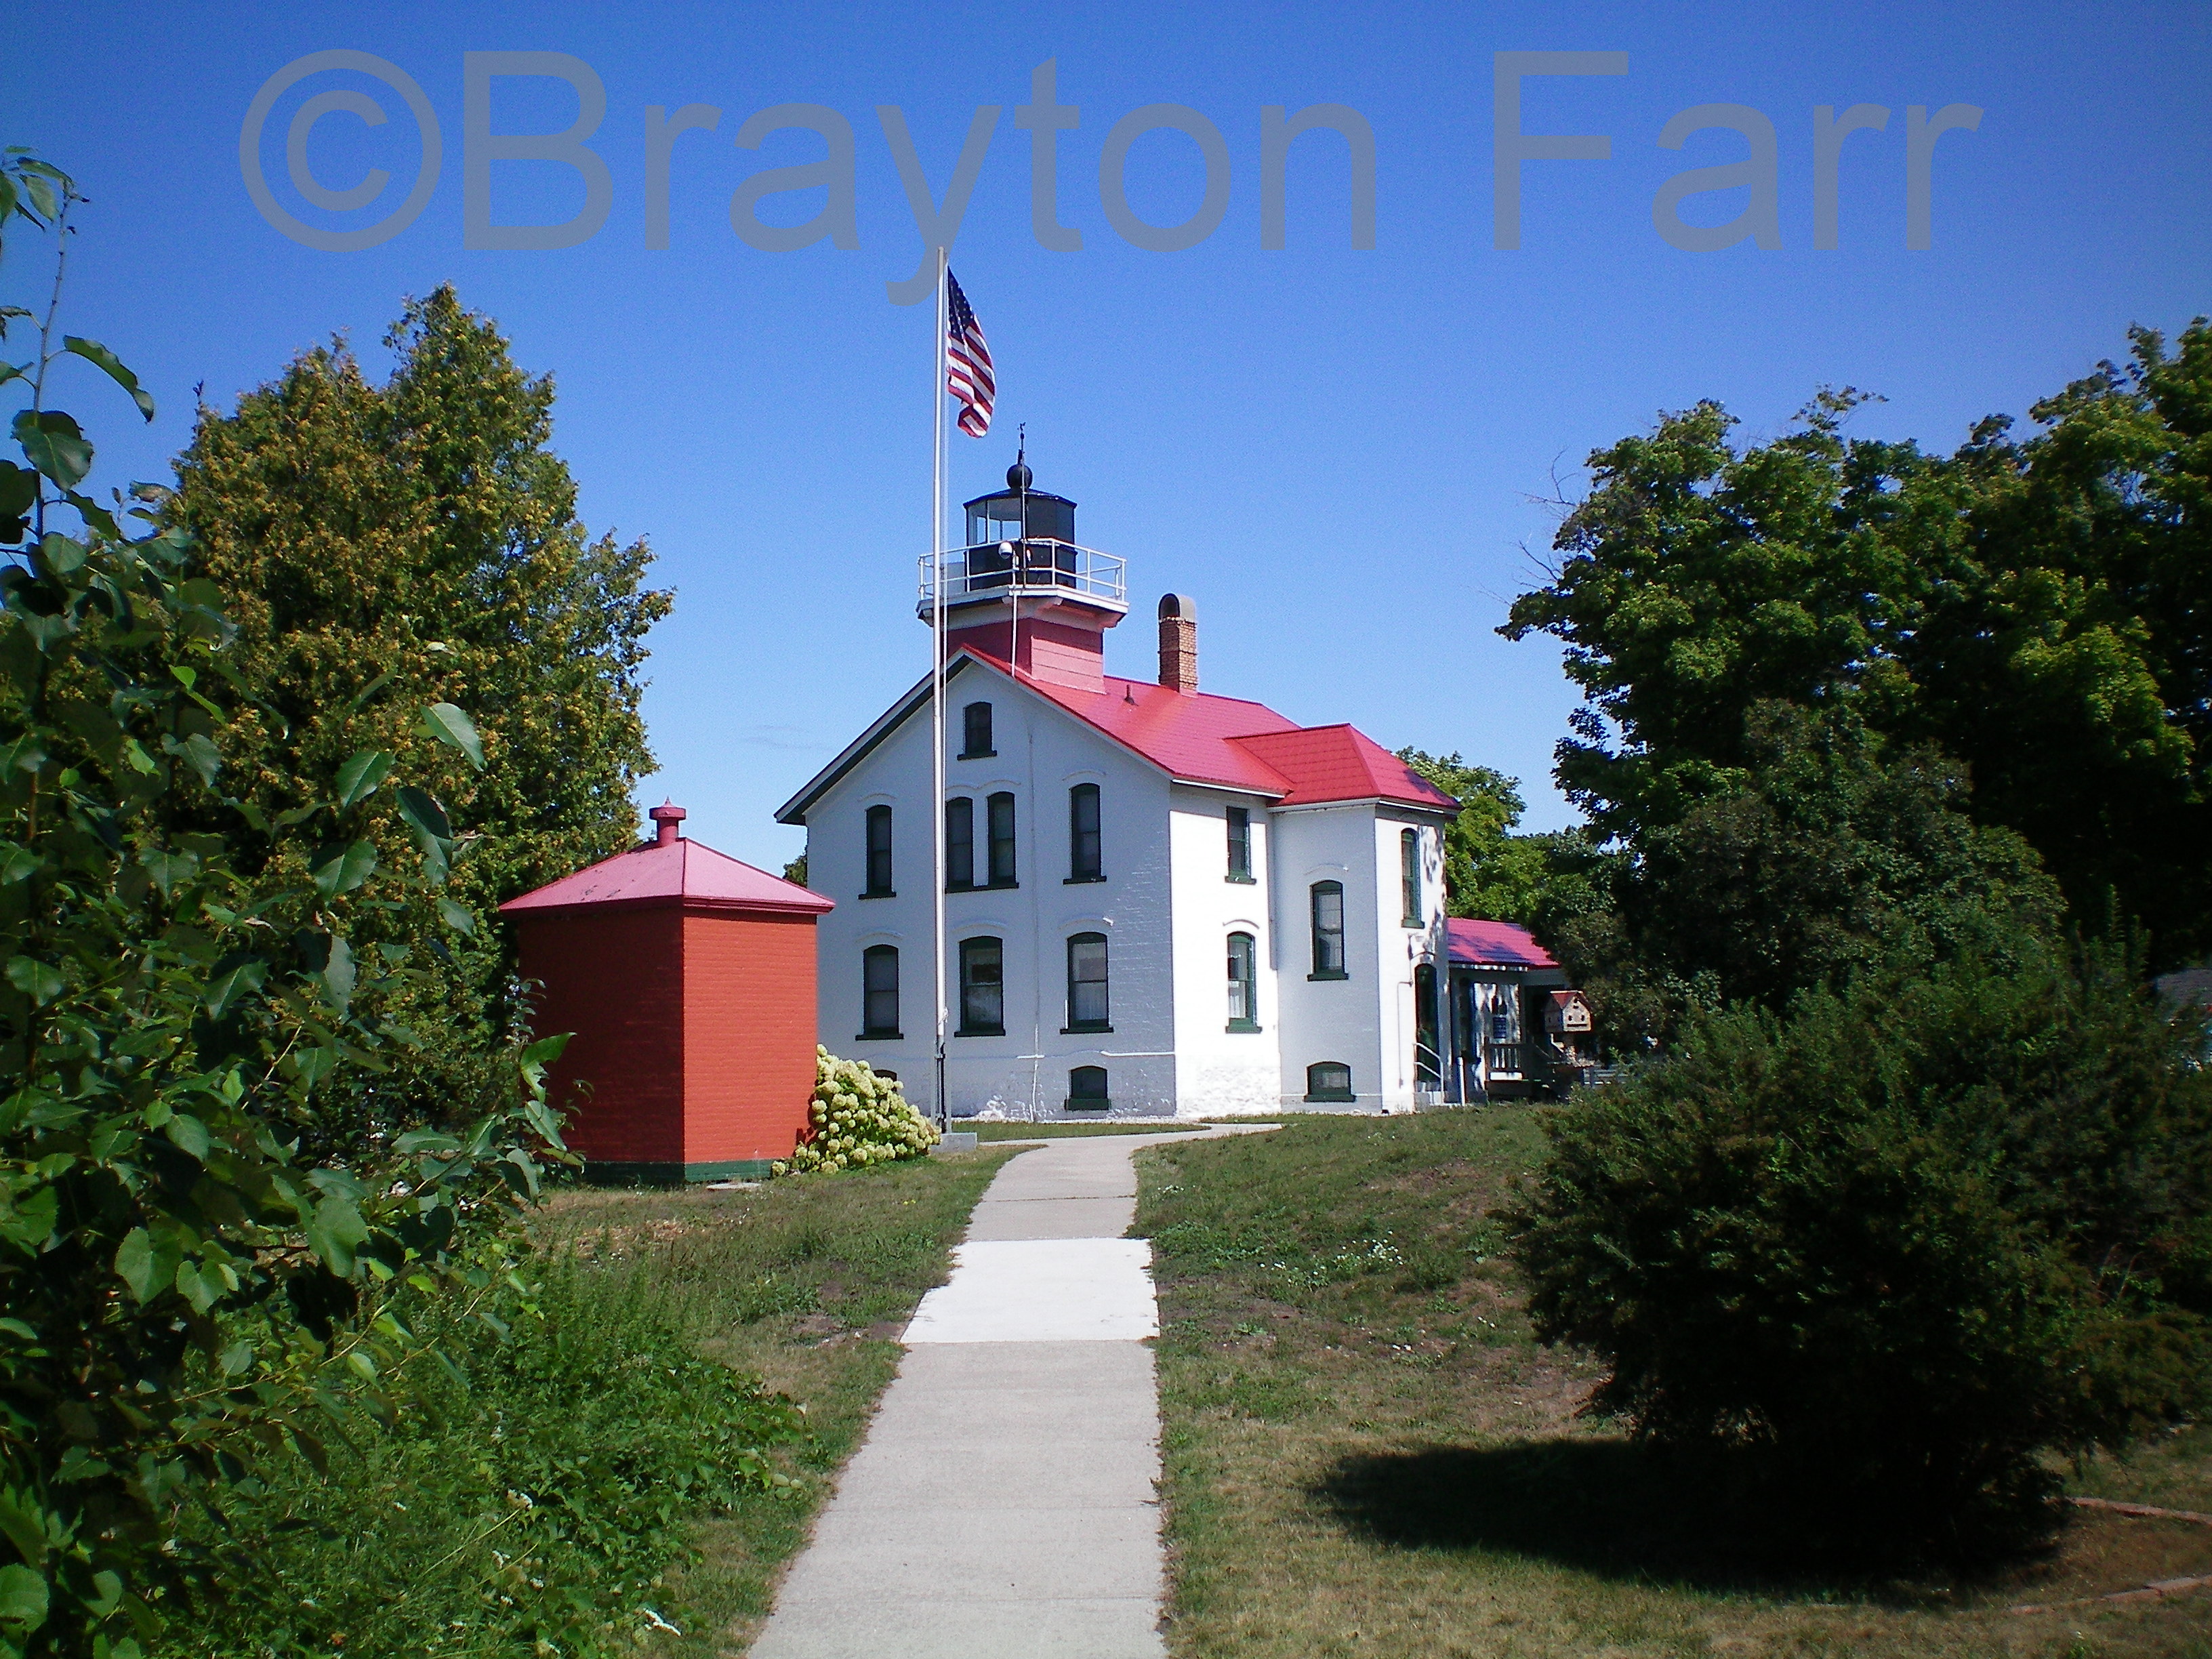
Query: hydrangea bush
{"type": "Point", "coordinates": [857, 1119]}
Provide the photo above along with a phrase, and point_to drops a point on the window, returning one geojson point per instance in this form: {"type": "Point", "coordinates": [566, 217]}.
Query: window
{"type": "Point", "coordinates": [982, 988]}
{"type": "Point", "coordinates": [880, 1001]}
{"type": "Point", "coordinates": [1086, 1089]}
{"type": "Point", "coordinates": [1409, 874]}
{"type": "Point", "coordinates": [1328, 1080]}
{"type": "Point", "coordinates": [880, 854]}
{"type": "Point", "coordinates": [1086, 859]}
{"type": "Point", "coordinates": [1001, 808]}
{"type": "Point", "coordinates": [1328, 930]}
{"type": "Point", "coordinates": [959, 844]}
{"type": "Point", "coordinates": [975, 733]}
{"type": "Point", "coordinates": [1240, 843]}
{"type": "Point", "coordinates": [1243, 984]}
{"type": "Point", "coordinates": [1086, 983]}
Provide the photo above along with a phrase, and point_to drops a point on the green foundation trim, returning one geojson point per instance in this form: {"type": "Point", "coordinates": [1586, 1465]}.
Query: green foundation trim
{"type": "Point", "coordinates": [601, 1174]}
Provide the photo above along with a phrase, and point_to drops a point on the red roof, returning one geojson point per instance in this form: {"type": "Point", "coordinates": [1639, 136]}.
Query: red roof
{"type": "Point", "coordinates": [678, 872]}
{"type": "Point", "coordinates": [1339, 763]}
{"type": "Point", "coordinates": [1495, 945]}
{"type": "Point", "coordinates": [1202, 738]}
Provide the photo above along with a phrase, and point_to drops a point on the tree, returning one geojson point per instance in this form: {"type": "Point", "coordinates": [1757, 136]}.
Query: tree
{"type": "Point", "coordinates": [1890, 1249]}
{"type": "Point", "coordinates": [2036, 609]}
{"type": "Point", "coordinates": [1536, 880]}
{"type": "Point", "coordinates": [1835, 854]}
{"type": "Point", "coordinates": [416, 542]}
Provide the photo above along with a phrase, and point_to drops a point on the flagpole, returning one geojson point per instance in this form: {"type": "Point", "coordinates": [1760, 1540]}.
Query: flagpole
{"type": "Point", "coordinates": [937, 364]}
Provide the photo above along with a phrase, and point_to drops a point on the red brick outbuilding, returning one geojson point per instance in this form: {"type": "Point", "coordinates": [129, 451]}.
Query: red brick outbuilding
{"type": "Point", "coordinates": [688, 980]}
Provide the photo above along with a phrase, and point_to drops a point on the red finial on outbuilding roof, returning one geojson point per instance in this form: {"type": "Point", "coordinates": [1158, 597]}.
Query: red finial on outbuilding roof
{"type": "Point", "coordinates": [666, 816]}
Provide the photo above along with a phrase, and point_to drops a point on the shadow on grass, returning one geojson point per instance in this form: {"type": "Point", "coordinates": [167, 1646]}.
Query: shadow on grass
{"type": "Point", "coordinates": [1626, 1512]}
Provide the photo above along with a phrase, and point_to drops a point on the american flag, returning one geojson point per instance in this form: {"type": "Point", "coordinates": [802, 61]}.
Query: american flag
{"type": "Point", "coordinates": [967, 362]}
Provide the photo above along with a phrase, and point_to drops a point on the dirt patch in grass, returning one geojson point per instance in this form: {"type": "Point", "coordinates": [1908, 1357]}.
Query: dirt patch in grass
{"type": "Point", "coordinates": [1367, 1453]}
{"type": "Point", "coordinates": [807, 1282]}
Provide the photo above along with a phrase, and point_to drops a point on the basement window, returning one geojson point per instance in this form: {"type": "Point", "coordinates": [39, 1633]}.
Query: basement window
{"type": "Point", "coordinates": [1329, 1081]}
{"type": "Point", "coordinates": [1086, 1089]}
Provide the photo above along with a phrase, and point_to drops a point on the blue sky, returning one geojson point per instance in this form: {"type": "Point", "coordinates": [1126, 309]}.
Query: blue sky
{"type": "Point", "coordinates": [1347, 457]}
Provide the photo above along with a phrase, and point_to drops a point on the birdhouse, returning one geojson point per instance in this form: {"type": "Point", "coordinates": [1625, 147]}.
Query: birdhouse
{"type": "Point", "coordinates": [687, 979]}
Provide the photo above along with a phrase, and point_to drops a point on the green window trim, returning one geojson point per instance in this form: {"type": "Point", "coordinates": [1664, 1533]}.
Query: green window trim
{"type": "Point", "coordinates": [1242, 1027]}
{"type": "Point", "coordinates": [1086, 842]}
{"type": "Point", "coordinates": [960, 844]}
{"type": "Point", "coordinates": [999, 814]}
{"type": "Point", "coordinates": [982, 988]}
{"type": "Point", "coordinates": [1243, 963]}
{"type": "Point", "coordinates": [1088, 984]}
{"type": "Point", "coordinates": [1322, 1086]}
{"type": "Point", "coordinates": [1325, 911]}
{"type": "Point", "coordinates": [879, 993]}
{"type": "Point", "coordinates": [976, 733]}
{"type": "Point", "coordinates": [877, 847]}
{"type": "Point", "coordinates": [1239, 844]}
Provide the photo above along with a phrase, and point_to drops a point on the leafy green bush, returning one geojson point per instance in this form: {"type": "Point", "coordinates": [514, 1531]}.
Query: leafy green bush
{"type": "Point", "coordinates": [1896, 1245]}
{"type": "Point", "coordinates": [184, 1291]}
{"type": "Point", "coordinates": [857, 1119]}
{"type": "Point", "coordinates": [529, 1501]}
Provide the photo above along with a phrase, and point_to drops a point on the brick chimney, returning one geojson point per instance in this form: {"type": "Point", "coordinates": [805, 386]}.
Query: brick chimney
{"type": "Point", "coordinates": [1179, 642]}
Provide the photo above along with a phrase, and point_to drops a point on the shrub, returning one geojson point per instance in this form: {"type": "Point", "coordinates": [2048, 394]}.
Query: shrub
{"type": "Point", "coordinates": [188, 995]}
{"type": "Point", "coordinates": [1897, 1243]}
{"type": "Point", "coordinates": [857, 1119]}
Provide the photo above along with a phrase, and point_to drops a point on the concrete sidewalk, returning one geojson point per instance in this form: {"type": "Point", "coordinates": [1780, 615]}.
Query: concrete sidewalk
{"type": "Point", "coordinates": [1005, 1503]}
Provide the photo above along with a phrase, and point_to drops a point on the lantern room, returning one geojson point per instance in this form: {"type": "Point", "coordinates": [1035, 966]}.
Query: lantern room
{"type": "Point", "coordinates": [687, 979]}
{"type": "Point", "coordinates": [1023, 591]}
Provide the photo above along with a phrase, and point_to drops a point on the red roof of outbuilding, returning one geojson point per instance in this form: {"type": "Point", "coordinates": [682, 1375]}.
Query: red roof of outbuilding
{"type": "Point", "coordinates": [678, 872]}
{"type": "Point", "coordinates": [1495, 945]}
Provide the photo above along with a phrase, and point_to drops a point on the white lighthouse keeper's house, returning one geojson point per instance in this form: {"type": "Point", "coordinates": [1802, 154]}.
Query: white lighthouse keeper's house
{"type": "Point", "coordinates": [1159, 902]}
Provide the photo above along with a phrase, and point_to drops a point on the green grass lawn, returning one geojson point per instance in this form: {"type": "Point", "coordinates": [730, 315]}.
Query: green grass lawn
{"type": "Point", "coordinates": [1055, 1130]}
{"type": "Point", "coordinates": [563, 1489]}
{"type": "Point", "coordinates": [1366, 1453]}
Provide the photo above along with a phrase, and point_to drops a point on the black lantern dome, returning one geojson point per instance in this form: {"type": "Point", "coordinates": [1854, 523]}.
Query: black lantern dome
{"type": "Point", "coordinates": [1020, 513]}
